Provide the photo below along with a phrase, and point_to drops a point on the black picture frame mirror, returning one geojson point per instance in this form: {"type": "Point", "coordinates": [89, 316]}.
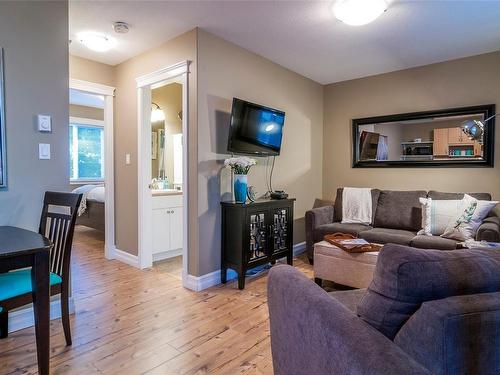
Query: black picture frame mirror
{"type": "Point", "coordinates": [3, 154]}
{"type": "Point", "coordinates": [454, 137]}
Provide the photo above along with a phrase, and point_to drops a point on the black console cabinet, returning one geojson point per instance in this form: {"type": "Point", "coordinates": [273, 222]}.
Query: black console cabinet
{"type": "Point", "coordinates": [255, 233]}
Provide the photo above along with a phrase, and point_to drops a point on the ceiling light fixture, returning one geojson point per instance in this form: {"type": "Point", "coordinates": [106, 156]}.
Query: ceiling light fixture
{"type": "Point", "coordinates": [358, 12]}
{"type": "Point", "coordinates": [96, 41]}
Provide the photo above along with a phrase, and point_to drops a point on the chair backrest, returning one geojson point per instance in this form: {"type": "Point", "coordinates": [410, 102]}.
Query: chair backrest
{"type": "Point", "coordinates": [57, 223]}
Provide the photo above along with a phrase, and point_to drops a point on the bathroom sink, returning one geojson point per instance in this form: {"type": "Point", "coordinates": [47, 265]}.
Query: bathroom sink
{"type": "Point", "coordinates": [166, 192]}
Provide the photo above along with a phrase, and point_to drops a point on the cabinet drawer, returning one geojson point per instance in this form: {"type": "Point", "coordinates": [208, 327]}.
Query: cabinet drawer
{"type": "Point", "coordinates": [166, 201]}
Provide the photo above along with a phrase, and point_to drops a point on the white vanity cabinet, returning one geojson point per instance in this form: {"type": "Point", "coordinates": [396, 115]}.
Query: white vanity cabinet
{"type": "Point", "coordinates": [167, 226]}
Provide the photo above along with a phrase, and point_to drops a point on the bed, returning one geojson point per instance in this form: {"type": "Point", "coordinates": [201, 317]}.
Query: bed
{"type": "Point", "coordinates": [91, 211]}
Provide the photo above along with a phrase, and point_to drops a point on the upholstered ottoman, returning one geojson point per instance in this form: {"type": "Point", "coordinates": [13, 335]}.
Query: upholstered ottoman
{"type": "Point", "coordinates": [339, 266]}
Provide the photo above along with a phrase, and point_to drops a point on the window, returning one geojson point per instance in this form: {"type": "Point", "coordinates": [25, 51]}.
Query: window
{"type": "Point", "coordinates": [86, 150]}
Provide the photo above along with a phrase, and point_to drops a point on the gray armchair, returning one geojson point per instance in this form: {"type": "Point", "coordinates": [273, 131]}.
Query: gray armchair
{"type": "Point", "coordinates": [426, 312]}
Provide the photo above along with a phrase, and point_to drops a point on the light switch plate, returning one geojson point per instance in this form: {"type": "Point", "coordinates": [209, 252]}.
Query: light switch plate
{"type": "Point", "coordinates": [44, 123]}
{"type": "Point", "coordinates": [44, 151]}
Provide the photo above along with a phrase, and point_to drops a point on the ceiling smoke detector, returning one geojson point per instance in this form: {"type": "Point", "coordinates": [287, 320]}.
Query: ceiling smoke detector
{"type": "Point", "coordinates": [121, 27]}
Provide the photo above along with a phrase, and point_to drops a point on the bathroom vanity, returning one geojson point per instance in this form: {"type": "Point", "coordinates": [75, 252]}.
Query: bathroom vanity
{"type": "Point", "coordinates": [167, 223]}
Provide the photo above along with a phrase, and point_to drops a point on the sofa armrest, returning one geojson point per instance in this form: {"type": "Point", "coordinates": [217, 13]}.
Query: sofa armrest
{"type": "Point", "coordinates": [454, 335]}
{"type": "Point", "coordinates": [489, 230]}
{"type": "Point", "coordinates": [314, 218]}
{"type": "Point", "coordinates": [312, 333]}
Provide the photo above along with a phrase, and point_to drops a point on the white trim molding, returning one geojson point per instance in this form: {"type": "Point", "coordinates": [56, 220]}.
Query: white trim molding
{"type": "Point", "coordinates": [109, 168]}
{"type": "Point", "coordinates": [24, 317]}
{"type": "Point", "coordinates": [157, 77]}
{"type": "Point", "coordinates": [86, 121]}
{"type": "Point", "coordinates": [178, 73]}
{"type": "Point", "coordinates": [127, 258]}
{"type": "Point", "coordinates": [92, 87]}
{"type": "Point", "coordinates": [198, 283]}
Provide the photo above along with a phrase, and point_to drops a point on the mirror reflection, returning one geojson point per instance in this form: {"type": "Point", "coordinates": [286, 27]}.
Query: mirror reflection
{"type": "Point", "coordinates": [166, 138]}
{"type": "Point", "coordinates": [439, 139]}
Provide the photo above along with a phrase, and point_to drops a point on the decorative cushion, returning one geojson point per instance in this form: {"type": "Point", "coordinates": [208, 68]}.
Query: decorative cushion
{"type": "Point", "coordinates": [466, 222]}
{"type": "Point", "coordinates": [405, 277]}
{"type": "Point", "coordinates": [17, 283]}
{"type": "Point", "coordinates": [399, 210]}
{"type": "Point", "coordinates": [437, 214]}
{"type": "Point", "coordinates": [387, 235]}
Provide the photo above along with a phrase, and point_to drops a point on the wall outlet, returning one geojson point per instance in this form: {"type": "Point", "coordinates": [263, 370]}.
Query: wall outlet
{"type": "Point", "coordinates": [44, 123]}
{"type": "Point", "coordinates": [127, 159]}
{"type": "Point", "coordinates": [43, 151]}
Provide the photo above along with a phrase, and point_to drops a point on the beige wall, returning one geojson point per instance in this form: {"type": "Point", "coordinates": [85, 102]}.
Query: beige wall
{"type": "Point", "coordinates": [169, 98]}
{"type": "Point", "coordinates": [227, 71]}
{"type": "Point", "coordinates": [92, 71]}
{"type": "Point", "coordinates": [86, 112]}
{"type": "Point", "coordinates": [34, 36]}
{"type": "Point", "coordinates": [464, 82]}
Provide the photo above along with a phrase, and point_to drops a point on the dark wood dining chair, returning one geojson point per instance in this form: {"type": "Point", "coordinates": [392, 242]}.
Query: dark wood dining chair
{"type": "Point", "coordinates": [57, 223]}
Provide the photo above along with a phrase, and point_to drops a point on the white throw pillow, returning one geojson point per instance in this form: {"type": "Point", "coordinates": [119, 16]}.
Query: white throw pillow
{"type": "Point", "coordinates": [436, 214]}
{"type": "Point", "coordinates": [467, 222]}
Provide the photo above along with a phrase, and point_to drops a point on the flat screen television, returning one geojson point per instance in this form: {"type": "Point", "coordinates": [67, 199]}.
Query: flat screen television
{"type": "Point", "coordinates": [255, 129]}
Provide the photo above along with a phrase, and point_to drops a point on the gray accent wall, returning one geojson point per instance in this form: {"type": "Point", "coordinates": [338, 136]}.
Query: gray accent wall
{"type": "Point", "coordinates": [34, 36]}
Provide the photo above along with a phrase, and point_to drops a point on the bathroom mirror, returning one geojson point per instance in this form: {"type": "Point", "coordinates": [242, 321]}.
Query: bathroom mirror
{"type": "Point", "coordinates": [3, 161]}
{"type": "Point", "coordinates": [457, 137]}
{"type": "Point", "coordinates": [166, 137]}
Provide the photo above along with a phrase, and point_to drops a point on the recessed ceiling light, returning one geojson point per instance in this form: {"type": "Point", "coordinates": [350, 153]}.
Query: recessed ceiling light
{"type": "Point", "coordinates": [96, 41]}
{"type": "Point", "coordinates": [358, 12]}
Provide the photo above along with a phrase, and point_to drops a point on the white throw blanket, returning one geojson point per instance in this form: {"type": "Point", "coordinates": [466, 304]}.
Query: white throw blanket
{"type": "Point", "coordinates": [357, 205]}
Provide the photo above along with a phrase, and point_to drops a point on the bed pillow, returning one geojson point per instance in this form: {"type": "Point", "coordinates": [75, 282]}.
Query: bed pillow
{"type": "Point", "coordinates": [437, 214]}
{"type": "Point", "coordinates": [466, 223]}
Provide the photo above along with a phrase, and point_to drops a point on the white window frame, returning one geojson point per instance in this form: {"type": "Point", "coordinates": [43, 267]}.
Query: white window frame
{"type": "Point", "coordinates": [89, 123]}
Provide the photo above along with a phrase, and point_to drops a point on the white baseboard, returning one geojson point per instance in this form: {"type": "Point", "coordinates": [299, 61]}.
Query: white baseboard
{"type": "Point", "coordinates": [198, 283]}
{"type": "Point", "coordinates": [123, 256]}
{"type": "Point", "coordinates": [166, 255]}
{"type": "Point", "coordinates": [24, 318]}
{"type": "Point", "coordinates": [299, 248]}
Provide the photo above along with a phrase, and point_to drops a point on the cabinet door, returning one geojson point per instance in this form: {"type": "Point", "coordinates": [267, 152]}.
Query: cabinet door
{"type": "Point", "coordinates": [440, 145]}
{"type": "Point", "coordinates": [281, 236]}
{"type": "Point", "coordinates": [454, 136]}
{"type": "Point", "coordinates": [257, 221]}
{"type": "Point", "coordinates": [176, 228]}
{"type": "Point", "coordinates": [161, 232]}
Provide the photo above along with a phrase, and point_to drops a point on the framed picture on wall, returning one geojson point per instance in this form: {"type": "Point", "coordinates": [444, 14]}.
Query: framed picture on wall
{"type": "Point", "coordinates": [3, 160]}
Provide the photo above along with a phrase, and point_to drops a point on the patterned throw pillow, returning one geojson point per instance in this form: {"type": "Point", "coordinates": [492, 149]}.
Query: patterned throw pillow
{"type": "Point", "coordinates": [437, 214]}
{"type": "Point", "coordinates": [466, 223]}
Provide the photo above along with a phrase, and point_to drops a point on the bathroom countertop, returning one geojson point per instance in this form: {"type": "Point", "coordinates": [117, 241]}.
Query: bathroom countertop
{"type": "Point", "coordinates": [159, 193]}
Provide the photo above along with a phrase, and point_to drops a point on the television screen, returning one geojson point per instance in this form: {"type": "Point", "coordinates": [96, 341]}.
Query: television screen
{"type": "Point", "coordinates": [255, 129]}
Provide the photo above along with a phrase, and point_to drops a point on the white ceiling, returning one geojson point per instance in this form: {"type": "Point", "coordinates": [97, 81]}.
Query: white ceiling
{"type": "Point", "coordinates": [302, 35]}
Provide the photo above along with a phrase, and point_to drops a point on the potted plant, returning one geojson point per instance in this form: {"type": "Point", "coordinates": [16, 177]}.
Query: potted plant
{"type": "Point", "coordinates": [240, 167]}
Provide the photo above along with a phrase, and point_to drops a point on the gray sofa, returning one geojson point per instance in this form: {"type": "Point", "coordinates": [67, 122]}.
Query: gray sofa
{"type": "Point", "coordinates": [397, 217]}
{"type": "Point", "coordinates": [425, 312]}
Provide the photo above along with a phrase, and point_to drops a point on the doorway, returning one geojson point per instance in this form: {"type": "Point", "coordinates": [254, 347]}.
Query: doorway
{"type": "Point", "coordinates": [92, 158]}
{"type": "Point", "coordinates": [163, 168]}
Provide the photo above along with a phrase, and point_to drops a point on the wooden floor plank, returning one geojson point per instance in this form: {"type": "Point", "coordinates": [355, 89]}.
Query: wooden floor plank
{"type": "Point", "coordinates": [131, 321]}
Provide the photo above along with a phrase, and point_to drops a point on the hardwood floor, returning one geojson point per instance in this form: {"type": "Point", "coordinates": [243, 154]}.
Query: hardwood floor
{"type": "Point", "coordinates": [130, 321]}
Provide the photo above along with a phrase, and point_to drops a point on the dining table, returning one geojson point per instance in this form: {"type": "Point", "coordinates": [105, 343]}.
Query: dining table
{"type": "Point", "coordinates": [21, 248]}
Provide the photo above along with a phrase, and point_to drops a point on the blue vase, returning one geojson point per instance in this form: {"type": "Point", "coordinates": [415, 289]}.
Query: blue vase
{"type": "Point", "coordinates": [240, 188]}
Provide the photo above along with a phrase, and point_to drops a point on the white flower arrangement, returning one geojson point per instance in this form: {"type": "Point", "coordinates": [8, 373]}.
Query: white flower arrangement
{"type": "Point", "coordinates": [240, 165]}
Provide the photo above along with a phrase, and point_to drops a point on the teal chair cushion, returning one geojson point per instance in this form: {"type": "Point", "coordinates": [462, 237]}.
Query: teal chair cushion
{"type": "Point", "coordinates": [17, 283]}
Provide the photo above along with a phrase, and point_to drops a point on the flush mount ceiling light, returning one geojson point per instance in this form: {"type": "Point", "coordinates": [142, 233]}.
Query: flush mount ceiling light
{"type": "Point", "coordinates": [358, 12]}
{"type": "Point", "coordinates": [96, 41]}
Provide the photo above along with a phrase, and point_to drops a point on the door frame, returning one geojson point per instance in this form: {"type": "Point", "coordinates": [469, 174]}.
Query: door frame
{"type": "Point", "coordinates": [178, 73]}
{"type": "Point", "coordinates": [109, 174]}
